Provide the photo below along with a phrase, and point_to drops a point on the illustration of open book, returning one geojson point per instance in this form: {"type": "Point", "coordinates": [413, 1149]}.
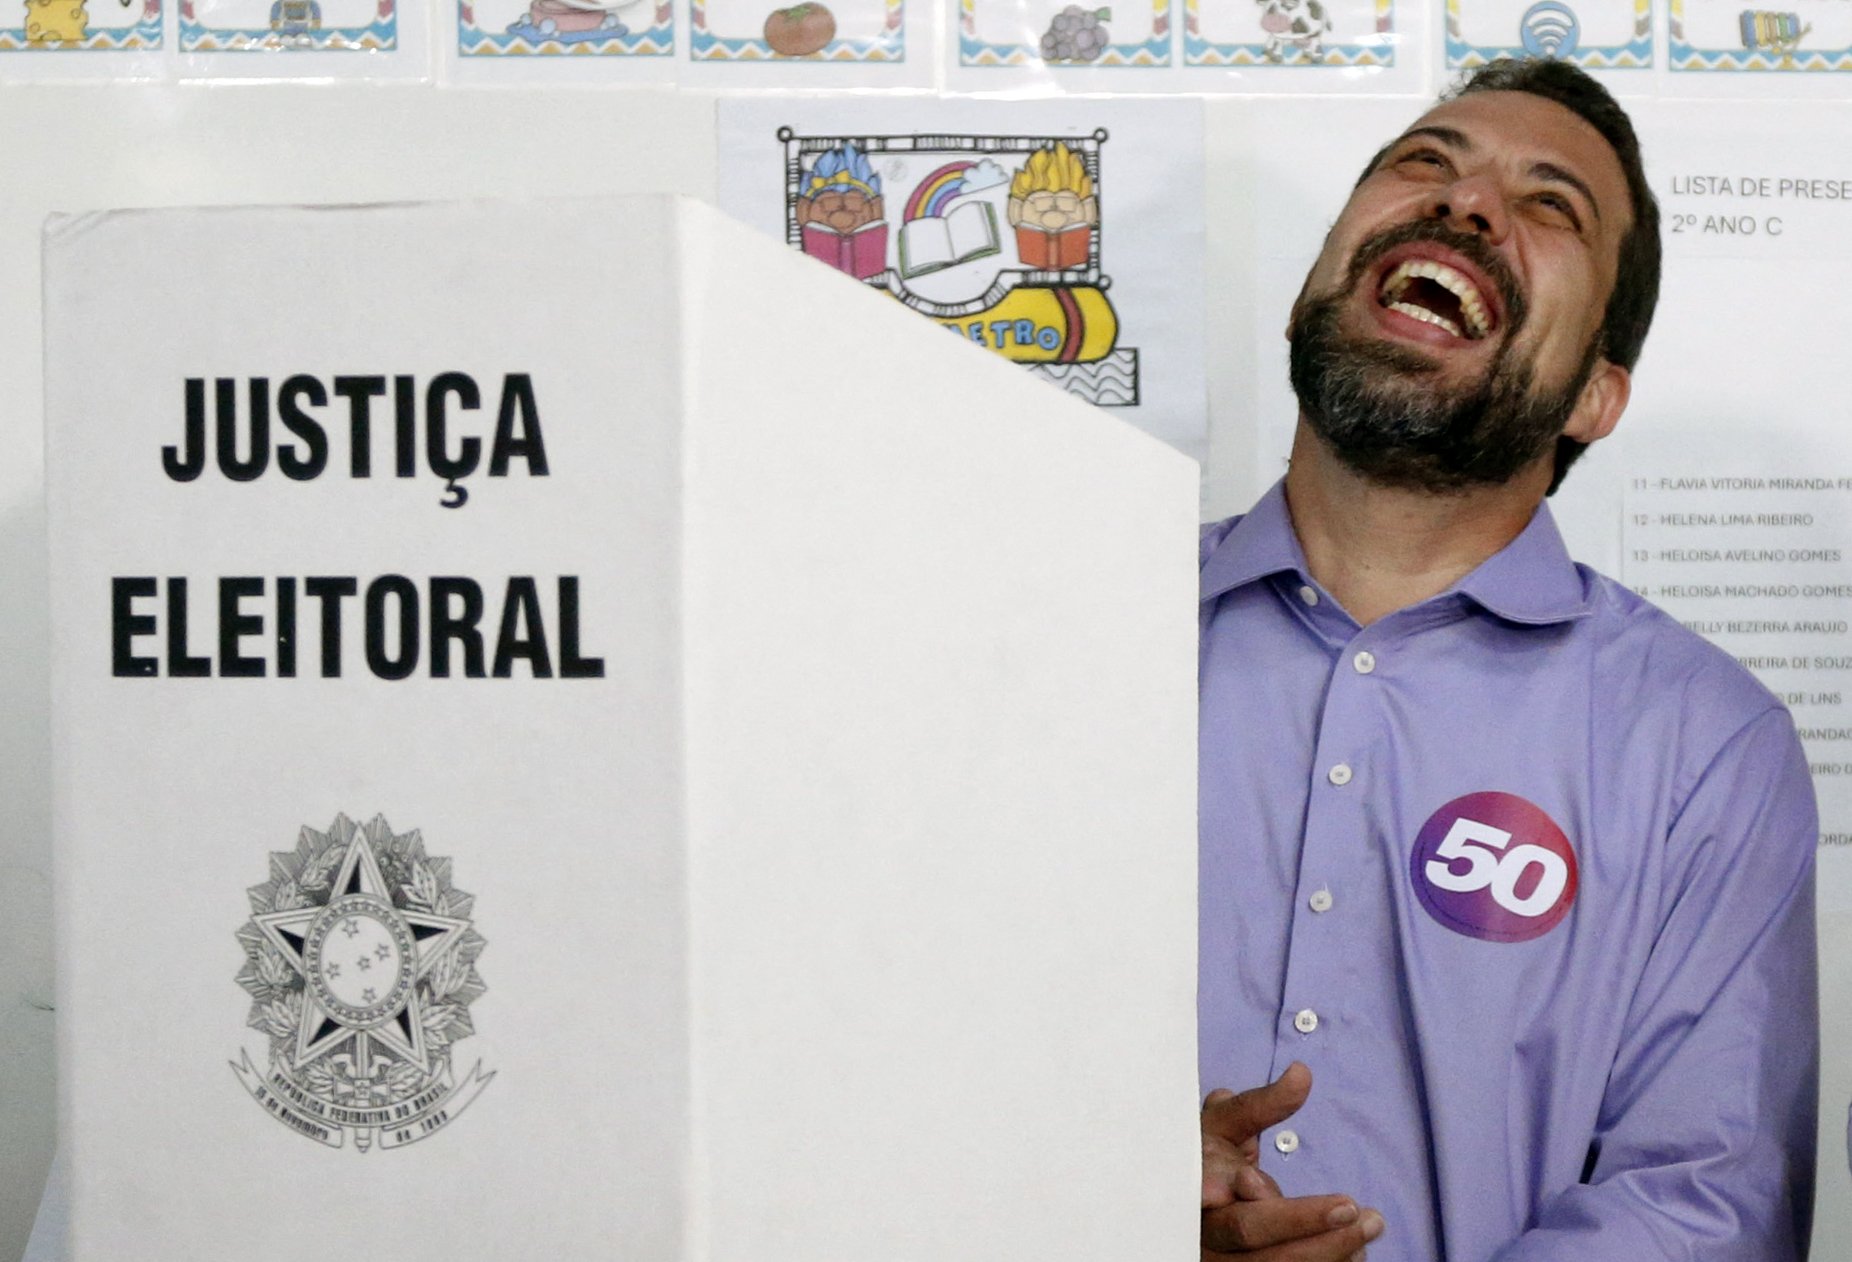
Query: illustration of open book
{"type": "Point", "coordinates": [861, 252]}
{"type": "Point", "coordinates": [967, 232]}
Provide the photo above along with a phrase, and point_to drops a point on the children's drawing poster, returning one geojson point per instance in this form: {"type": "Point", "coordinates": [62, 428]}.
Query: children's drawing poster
{"type": "Point", "coordinates": [1723, 35]}
{"type": "Point", "coordinates": [293, 27]}
{"type": "Point", "coordinates": [1060, 35]}
{"type": "Point", "coordinates": [1066, 236]}
{"type": "Point", "coordinates": [1246, 46]}
{"type": "Point", "coordinates": [1328, 34]}
{"type": "Point", "coordinates": [1593, 34]}
{"type": "Point", "coordinates": [547, 31]}
{"type": "Point", "coordinates": [81, 26]}
{"type": "Point", "coordinates": [809, 43]}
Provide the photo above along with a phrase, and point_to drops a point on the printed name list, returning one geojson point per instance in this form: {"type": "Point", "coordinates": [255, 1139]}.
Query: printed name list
{"type": "Point", "coordinates": [1757, 565]}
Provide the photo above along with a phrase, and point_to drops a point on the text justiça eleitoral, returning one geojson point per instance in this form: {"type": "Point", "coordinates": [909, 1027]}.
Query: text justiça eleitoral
{"type": "Point", "coordinates": [447, 626]}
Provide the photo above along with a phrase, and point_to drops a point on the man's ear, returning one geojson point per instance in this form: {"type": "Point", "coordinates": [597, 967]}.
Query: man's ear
{"type": "Point", "coordinates": [1598, 408]}
{"type": "Point", "coordinates": [1292, 314]}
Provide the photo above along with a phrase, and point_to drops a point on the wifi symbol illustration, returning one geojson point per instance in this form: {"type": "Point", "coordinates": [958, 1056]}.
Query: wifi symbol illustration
{"type": "Point", "coordinates": [1549, 29]}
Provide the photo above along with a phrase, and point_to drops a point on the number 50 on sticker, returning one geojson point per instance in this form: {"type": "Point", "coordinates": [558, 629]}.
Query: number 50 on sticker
{"type": "Point", "coordinates": [1494, 866]}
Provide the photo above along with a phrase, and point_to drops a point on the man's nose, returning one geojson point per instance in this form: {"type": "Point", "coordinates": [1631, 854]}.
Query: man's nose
{"type": "Point", "coordinates": [1473, 203]}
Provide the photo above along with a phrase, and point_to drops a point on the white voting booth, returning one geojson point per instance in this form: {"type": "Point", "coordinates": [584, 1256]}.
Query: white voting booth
{"type": "Point", "coordinates": [582, 734]}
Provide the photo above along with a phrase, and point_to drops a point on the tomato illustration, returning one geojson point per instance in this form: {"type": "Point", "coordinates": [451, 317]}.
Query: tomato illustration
{"type": "Point", "coordinates": [800, 30]}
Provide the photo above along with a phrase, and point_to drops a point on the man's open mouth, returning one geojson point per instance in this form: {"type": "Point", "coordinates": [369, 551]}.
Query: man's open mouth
{"type": "Point", "coordinates": [1437, 294]}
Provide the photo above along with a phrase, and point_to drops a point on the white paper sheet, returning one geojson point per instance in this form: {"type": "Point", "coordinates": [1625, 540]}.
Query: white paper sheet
{"type": "Point", "coordinates": [1804, 37]}
{"type": "Point", "coordinates": [1593, 34]}
{"type": "Point", "coordinates": [537, 39]}
{"type": "Point", "coordinates": [1737, 515]}
{"type": "Point", "coordinates": [807, 44]}
{"type": "Point", "coordinates": [289, 26]}
{"type": "Point", "coordinates": [1060, 35]}
{"type": "Point", "coordinates": [1110, 309]}
{"type": "Point", "coordinates": [298, 39]}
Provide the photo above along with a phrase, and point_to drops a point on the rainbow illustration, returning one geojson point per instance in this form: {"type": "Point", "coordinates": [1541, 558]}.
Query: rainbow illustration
{"type": "Point", "coordinates": [937, 190]}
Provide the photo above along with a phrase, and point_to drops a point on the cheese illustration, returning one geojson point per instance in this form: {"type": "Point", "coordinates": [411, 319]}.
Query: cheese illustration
{"type": "Point", "coordinates": [55, 21]}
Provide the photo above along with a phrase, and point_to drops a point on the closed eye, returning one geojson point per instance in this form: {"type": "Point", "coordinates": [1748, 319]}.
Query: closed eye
{"type": "Point", "coordinates": [1426, 157]}
{"type": "Point", "coordinates": [1560, 205]}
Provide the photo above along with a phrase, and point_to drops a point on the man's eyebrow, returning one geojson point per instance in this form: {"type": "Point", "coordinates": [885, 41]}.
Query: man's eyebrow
{"type": "Point", "coordinates": [1446, 135]}
{"type": "Point", "coordinates": [1550, 171]}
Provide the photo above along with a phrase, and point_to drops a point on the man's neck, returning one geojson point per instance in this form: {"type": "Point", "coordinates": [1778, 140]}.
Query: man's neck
{"type": "Point", "coordinates": [1379, 549]}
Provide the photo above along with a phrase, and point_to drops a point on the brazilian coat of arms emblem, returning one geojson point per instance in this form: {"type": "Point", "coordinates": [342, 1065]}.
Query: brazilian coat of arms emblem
{"type": "Point", "coordinates": [360, 959]}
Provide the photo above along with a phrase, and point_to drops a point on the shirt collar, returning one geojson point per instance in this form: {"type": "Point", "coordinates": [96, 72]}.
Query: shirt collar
{"type": "Point", "coordinates": [1531, 580]}
{"type": "Point", "coordinates": [1260, 544]}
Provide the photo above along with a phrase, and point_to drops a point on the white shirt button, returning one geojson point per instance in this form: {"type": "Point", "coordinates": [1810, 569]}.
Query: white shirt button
{"type": "Point", "coordinates": [1339, 775]}
{"type": "Point", "coordinates": [1305, 1021]}
{"type": "Point", "coordinates": [1365, 662]}
{"type": "Point", "coordinates": [1320, 900]}
{"type": "Point", "coordinates": [1287, 1141]}
{"type": "Point", "coordinates": [1308, 594]}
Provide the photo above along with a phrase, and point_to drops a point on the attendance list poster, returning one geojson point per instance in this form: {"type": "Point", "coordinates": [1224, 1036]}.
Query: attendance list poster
{"type": "Point", "coordinates": [363, 588]}
{"type": "Point", "coordinates": [1738, 494]}
{"type": "Point", "coordinates": [1736, 499]}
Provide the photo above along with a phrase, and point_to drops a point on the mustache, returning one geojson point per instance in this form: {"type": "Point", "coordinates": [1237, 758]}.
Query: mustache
{"type": "Point", "coordinates": [1469, 245]}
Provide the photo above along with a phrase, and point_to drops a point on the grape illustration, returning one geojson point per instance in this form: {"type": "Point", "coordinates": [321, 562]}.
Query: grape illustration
{"type": "Point", "coordinates": [1075, 34]}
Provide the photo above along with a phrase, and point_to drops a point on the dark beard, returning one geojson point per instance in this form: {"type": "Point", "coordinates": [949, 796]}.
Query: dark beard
{"type": "Point", "coordinates": [1377, 408]}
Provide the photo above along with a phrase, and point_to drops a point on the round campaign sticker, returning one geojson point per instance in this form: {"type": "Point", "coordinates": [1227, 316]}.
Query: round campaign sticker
{"type": "Point", "coordinates": [1494, 866]}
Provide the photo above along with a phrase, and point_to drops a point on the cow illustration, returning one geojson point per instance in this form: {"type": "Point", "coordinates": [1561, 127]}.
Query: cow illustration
{"type": "Point", "coordinates": [1301, 23]}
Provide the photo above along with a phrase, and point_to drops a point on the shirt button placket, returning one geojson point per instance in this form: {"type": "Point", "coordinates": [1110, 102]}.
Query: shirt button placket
{"type": "Point", "coordinates": [1313, 968]}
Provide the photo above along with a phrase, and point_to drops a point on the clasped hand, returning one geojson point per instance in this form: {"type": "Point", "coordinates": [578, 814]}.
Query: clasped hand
{"type": "Point", "coordinates": [1244, 1214]}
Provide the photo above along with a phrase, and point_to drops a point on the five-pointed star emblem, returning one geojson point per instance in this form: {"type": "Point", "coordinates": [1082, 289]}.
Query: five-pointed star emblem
{"type": "Point", "coordinates": [360, 900]}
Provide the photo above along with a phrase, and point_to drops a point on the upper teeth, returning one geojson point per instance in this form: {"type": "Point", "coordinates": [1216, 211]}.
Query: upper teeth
{"type": "Point", "coordinates": [1472, 306]}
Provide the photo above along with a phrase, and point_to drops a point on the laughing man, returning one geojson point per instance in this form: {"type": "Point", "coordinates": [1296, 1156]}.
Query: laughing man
{"type": "Point", "coordinates": [1507, 879]}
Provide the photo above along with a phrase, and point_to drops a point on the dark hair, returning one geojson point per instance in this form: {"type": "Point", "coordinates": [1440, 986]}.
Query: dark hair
{"type": "Point", "coordinates": [1636, 281]}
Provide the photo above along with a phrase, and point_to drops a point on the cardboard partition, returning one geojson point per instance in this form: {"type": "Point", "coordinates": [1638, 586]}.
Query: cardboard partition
{"type": "Point", "coordinates": [580, 733]}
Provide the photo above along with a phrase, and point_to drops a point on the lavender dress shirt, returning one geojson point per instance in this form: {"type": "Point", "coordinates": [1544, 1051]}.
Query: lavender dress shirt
{"type": "Point", "coordinates": [1524, 873]}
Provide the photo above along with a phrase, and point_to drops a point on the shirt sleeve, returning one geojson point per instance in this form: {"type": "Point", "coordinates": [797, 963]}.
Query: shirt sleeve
{"type": "Point", "coordinates": [1704, 1148]}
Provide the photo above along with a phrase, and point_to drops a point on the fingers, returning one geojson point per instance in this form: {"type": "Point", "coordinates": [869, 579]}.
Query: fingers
{"type": "Point", "coordinates": [1222, 1169]}
{"type": "Point", "coordinates": [1296, 1229]}
{"type": "Point", "coordinates": [1231, 1126]}
{"type": "Point", "coordinates": [1329, 1247]}
{"type": "Point", "coordinates": [1238, 1119]}
{"type": "Point", "coordinates": [1254, 1184]}
{"type": "Point", "coordinates": [1250, 1225]}
{"type": "Point", "coordinates": [1229, 1176]}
